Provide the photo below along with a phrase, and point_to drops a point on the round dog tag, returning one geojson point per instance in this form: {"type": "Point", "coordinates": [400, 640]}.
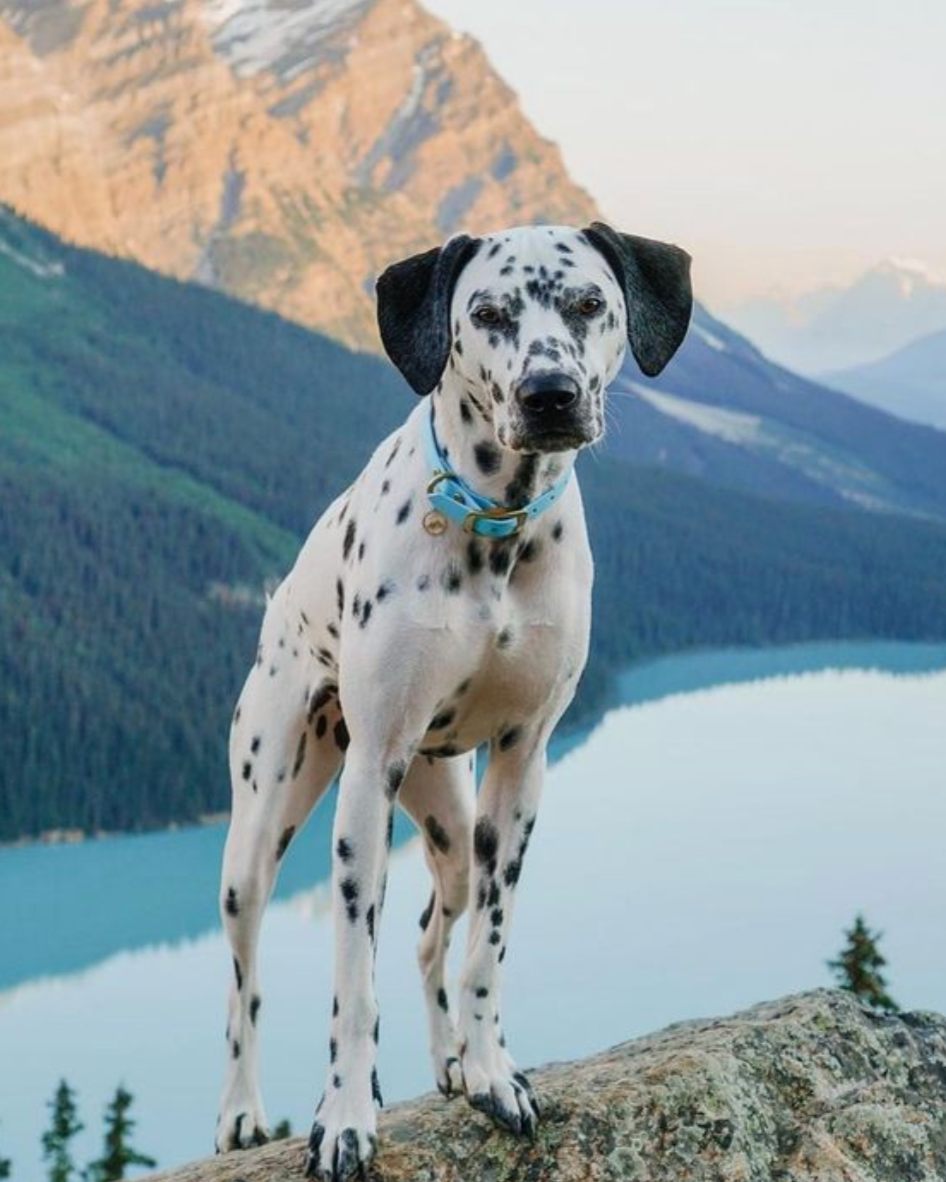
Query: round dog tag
{"type": "Point", "coordinates": [435, 523]}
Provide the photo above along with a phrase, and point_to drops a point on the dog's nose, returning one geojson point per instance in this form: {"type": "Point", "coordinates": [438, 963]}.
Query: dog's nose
{"type": "Point", "coordinates": [547, 391]}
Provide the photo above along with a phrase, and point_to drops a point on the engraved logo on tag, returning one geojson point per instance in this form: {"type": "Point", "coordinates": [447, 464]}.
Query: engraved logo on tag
{"type": "Point", "coordinates": [435, 523]}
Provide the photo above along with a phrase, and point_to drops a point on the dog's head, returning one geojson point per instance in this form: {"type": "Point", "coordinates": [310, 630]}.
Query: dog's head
{"type": "Point", "coordinates": [533, 324]}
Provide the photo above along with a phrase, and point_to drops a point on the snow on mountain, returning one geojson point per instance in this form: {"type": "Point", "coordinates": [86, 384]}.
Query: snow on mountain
{"type": "Point", "coordinates": [835, 328]}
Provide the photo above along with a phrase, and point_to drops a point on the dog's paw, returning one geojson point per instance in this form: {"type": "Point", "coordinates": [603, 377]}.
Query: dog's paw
{"type": "Point", "coordinates": [503, 1093]}
{"type": "Point", "coordinates": [241, 1128]}
{"type": "Point", "coordinates": [448, 1073]}
{"type": "Point", "coordinates": [342, 1143]}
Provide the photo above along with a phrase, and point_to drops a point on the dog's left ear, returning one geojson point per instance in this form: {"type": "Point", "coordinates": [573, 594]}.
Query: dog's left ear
{"type": "Point", "coordinates": [655, 278]}
{"type": "Point", "coordinates": [414, 299]}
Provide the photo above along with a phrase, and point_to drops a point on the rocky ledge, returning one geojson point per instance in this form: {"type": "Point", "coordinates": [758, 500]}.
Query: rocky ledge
{"type": "Point", "coordinates": [813, 1088]}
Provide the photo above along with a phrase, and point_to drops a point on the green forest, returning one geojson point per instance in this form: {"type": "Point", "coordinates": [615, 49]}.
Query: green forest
{"type": "Point", "coordinates": [164, 449]}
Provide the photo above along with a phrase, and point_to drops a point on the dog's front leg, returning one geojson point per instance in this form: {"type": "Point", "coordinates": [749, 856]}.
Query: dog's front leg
{"type": "Point", "coordinates": [343, 1138]}
{"type": "Point", "coordinates": [506, 811]}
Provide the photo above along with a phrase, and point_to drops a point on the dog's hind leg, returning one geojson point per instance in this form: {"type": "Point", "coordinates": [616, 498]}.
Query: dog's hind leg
{"type": "Point", "coordinates": [286, 746]}
{"type": "Point", "coordinates": [439, 794]}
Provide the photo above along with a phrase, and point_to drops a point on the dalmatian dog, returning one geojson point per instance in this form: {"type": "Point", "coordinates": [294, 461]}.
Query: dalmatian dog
{"type": "Point", "coordinates": [441, 604]}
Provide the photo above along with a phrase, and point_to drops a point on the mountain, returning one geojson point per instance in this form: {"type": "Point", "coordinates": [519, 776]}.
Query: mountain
{"type": "Point", "coordinates": [284, 151]}
{"type": "Point", "coordinates": [722, 412]}
{"type": "Point", "coordinates": [163, 449]}
{"type": "Point", "coordinates": [839, 327]}
{"type": "Point", "coordinates": [910, 383]}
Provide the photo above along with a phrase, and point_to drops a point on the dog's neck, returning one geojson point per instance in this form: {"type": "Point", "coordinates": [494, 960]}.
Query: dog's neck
{"type": "Point", "coordinates": [466, 436]}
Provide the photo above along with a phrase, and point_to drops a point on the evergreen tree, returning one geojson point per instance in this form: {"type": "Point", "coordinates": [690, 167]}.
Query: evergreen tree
{"type": "Point", "coordinates": [65, 1125]}
{"type": "Point", "coordinates": [5, 1167]}
{"type": "Point", "coordinates": [858, 967]}
{"type": "Point", "coordinates": [118, 1154]}
{"type": "Point", "coordinates": [281, 1130]}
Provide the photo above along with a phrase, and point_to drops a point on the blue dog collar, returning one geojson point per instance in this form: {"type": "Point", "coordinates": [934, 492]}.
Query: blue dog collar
{"type": "Point", "coordinates": [455, 500]}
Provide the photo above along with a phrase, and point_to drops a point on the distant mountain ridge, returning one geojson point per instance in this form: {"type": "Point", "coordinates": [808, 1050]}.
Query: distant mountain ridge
{"type": "Point", "coordinates": [164, 448]}
{"type": "Point", "coordinates": [835, 328]}
{"type": "Point", "coordinates": [284, 152]}
{"type": "Point", "coordinates": [721, 411]}
{"type": "Point", "coordinates": [910, 382]}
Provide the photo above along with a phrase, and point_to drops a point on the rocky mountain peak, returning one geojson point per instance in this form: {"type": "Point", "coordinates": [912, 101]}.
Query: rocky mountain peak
{"type": "Point", "coordinates": [284, 151]}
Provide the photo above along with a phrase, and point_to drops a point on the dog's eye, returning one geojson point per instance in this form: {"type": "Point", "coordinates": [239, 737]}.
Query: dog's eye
{"type": "Point", "coordinates": [487, 314]}
{"type": "Point", "coordinates": [590, 305]}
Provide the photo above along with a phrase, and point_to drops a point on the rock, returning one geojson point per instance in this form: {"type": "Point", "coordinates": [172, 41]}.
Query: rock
{"type": "Point", "coordinates": [283, 152]}
{"type": "Point", "coordinates": [812, 1088]}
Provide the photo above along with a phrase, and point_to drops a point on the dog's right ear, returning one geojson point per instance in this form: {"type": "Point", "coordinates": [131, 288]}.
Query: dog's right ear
{"type": "Point", "coordinates": [414, 299]}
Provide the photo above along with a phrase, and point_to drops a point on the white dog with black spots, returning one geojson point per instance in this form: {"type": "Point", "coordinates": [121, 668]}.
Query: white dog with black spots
{"type": "Point", "coordinates": [441, 603]}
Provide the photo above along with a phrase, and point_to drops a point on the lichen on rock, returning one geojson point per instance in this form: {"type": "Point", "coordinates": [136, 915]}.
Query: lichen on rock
{"type": "Point", "coordinates": [812, 1088]}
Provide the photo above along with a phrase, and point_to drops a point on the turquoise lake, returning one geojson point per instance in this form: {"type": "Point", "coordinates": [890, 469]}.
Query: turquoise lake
{"type": "Point", "coordinates": [700, 848]}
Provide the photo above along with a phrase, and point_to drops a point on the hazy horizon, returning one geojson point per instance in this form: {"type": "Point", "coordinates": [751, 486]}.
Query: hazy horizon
{"type": "Point", "coordinates": [787, 145]}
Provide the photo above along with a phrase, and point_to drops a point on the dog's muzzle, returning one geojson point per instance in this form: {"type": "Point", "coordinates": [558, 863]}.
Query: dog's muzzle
{"type": "Point", "coordinates": [550, 406]}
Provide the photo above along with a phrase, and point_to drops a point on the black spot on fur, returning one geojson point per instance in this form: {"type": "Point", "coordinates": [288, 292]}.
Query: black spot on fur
{"type": "Point", "coordinates": [427, 913]}
{"type": "Point", "coordinates": [300, 755]}
{"type": "Point", "coordinates": [395, 775]}
{"type": "Point", "coordinates": [423, 582]}
{"type": "Point", "coordinates": [344, 849]}
{"type": "Point", "coordinates": [485, 842]}
{"type": "Point", "coordinates": [247, 770]}
{"type": "Point", "coordinates": [366, 613]}
{"type": "Point", "coordinates": [442, 999]}
{"type": "Point", "coordinates": [437, 834]}
{"type": "Point", "coordinates": [238, 973]}
{"type": "Point", "coordinates": [385, 591]}
{"type": "Point", "coordinates": [519, 490]}
{"type": "Point", "coordinates": [504, 639]}
{"type": "Point", "coordinates": [474, 557]}
{"type": "Point", "coordinates": [482, 991]}
{"type": "Point", "coordinates": [340, 596]}
{"type": "Point", "coordinates": [487, 457]}
{"type": "Point", "coordinates": [342, 738]}
{"type": "Point", "coordinates": [349, 888]}
{"type": "Point", "coordinates": [255, 1004]}
{"type": "Point", "coordinates": [369, 920]}
{"type": "Point", "coordinates": [287, 836]}
{"type": "Point", "coordinates": [557, 531]}
{"type": "Point", "coordinates": [404, 512]}
{"type": "Point", "coordinates": [500, 557]}
{"type": "Point", "coordinates": [232, 905]}
{"type": "Point", "coordinates": [321, 726]}
{"type": "Point", "coordinates": [452, 579]}
{"type": "Point", "coordinates": [320, 698]}
{"type": "Point", "coordinates": [376, 1088]}
{"type": "Point", "coordinates": [442, 720]}
{"type": "Point", "coordinates": [349, 540]}
{"type": "Point", "coordinates": [509, 737]}
{"type": "Point", "coordinates": [332, 1050]}
{"type": "Point", "coordinates": [254, 746]}
{"type": "Point", "coordinates": [465, 413]}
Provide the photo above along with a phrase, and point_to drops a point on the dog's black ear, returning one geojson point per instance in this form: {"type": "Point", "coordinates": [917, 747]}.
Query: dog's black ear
{"type": "Point", "coordinates": [656, 281]}
{"type": "Point", "coordinates": [414, 309]}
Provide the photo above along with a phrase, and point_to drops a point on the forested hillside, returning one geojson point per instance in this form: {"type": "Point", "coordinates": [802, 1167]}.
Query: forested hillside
{"type": "Point", "coordinates": [164, 448]}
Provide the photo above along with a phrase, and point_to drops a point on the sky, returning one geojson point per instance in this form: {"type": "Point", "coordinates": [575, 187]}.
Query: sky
{"type": "Point", "coordinates": [787, 144]}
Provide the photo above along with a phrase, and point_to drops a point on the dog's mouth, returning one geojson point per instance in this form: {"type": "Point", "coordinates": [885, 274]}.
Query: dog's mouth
{"type": "Point", "coordinates": [553, 436]}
